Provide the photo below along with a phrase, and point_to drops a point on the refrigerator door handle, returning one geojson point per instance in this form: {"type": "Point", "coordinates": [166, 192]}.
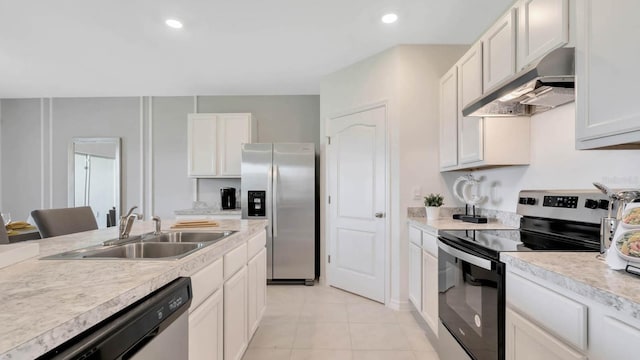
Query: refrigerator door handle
{"type": "Point", "coordinates": [268, 201]}
{"type": "Point", "coordinates": [274, 202]}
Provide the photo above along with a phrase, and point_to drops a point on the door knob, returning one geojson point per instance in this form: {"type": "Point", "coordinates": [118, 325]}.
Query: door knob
{"type": "Point", "coordinates": [379, 215]}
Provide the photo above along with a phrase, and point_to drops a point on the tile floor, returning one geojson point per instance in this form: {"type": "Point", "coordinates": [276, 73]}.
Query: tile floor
{"type": "Point", "coordinates": [318, 322]}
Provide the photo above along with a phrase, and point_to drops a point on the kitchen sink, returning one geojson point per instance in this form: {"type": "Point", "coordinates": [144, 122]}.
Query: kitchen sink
{"type": "Point", "coordinates": [186, 237]}
{"type": "Point", "coordinates": [140, 250]}
{"type": "Point", "coordinates": [164, 246]}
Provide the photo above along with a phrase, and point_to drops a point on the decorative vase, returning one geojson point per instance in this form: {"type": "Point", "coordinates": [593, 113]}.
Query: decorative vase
{"type": "Point", "coordinates": [433, 212]}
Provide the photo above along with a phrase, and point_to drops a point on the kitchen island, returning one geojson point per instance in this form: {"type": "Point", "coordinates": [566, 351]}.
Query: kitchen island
{"type": "Point", "coordinates": [47, 302]}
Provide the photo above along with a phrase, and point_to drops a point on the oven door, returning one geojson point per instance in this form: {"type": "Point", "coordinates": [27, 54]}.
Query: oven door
{"type": "Point", "coordinates": [471, 300]}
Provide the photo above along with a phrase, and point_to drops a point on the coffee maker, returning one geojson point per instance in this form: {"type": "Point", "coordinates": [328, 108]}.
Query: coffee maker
{"type": "Point", "coordinates": [228, 198]}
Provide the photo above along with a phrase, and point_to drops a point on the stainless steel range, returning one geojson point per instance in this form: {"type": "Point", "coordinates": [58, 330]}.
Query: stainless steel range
{"type": "Point", "coordinates": [471, 278]}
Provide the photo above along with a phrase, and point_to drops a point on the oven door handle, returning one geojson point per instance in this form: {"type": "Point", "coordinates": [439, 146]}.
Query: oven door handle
{"type": "Point", "coordinates": [477, 261]}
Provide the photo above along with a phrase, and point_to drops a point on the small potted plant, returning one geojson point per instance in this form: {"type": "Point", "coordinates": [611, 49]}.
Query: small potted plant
{"type": "Point", "coordinates": [432, 205]}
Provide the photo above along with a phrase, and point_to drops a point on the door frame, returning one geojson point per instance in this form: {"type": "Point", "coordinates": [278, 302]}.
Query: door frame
{"type": "Point", "coordinates": [387, 219]}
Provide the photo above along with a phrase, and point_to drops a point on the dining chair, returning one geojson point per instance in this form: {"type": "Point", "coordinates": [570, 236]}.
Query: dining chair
{"type": "Point", "coordinates": [56, 222]}
{"type": "Point", "coordinates": [4, 238]}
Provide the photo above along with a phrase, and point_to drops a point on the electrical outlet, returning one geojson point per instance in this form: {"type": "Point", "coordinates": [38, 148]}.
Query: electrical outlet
{"type": "Point", "coordinates": [417, 193]}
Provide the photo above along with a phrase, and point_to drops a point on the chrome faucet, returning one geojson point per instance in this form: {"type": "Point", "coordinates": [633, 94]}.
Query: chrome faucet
{"type": "Point", "coordinates": [157, 221]}
{"type": "Point", "coordinates": [126, 222]}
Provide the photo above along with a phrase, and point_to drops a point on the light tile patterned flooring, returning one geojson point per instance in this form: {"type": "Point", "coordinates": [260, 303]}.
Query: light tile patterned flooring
{"type": "Point", "coordinates": [318, 323]}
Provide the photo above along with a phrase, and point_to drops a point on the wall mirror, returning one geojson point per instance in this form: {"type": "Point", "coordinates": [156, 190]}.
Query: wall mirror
{"type": "Point", "coordinates": [94, 177]}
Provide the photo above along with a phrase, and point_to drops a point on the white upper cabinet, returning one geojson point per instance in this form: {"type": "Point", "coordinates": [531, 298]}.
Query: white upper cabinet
{"type": "Point", "coordinates": [499, 49]}
{"type": "Point", "coordinates": [215, 143]}
{"type": "Point", "coordinates": [543, 25]}
{"type": "Point", "coordinates": [449, 119]}
{"type": "Point", "coordinates": [470, 136]}
{"type": "Point", "coordinates": [233, 131]}
{"type": "Point", "coordinates": [474, 142]}
{"type": "Point", "coordinates": [607, 76]}
{"type": "Point", "coordinates": [202, 140]}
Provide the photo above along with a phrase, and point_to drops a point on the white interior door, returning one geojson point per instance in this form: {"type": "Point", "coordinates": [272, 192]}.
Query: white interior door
{"type": "Point", "coordinates": [357, 187]}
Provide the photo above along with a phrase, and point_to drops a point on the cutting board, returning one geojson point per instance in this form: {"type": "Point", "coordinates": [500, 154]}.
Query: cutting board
{"type": "Point", "coordinates": [14, 253]}
{"type": "Point", "coordinates": [190, 224]}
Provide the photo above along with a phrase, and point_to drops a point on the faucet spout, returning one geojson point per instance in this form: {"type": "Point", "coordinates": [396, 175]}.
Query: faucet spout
{"type": "Point", "coordinates": [126, 222]}
{"type": "Point", "coordinates": [157, 221]}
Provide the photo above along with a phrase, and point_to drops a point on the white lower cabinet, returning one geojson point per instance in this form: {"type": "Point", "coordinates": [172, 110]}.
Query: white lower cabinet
{"type": "Point", "coordinates": [206, 329]}
{"type": "Point", "coordinates": [430, 290]}
{"type": "Point", "coordinates": [526, 341]}
{"type": "Point", "coordinates": [205, 313]}
{"type": "Point", "coordinates": [547, 321]}
{"type": "Point", "coordinates": [415, 275]}
{"type": "Point", "coordinates": [229, 300]}
{"type": "Point", "coordinates": [423, 275]}
{"type": "Point", "coordinates": [257, 290]}
{"type": "Point", "coordinates": [235, 315]}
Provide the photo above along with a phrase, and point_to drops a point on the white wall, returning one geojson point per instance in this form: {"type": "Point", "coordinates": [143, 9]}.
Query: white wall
{"type": "Point", "coordinates": [406, 78]}
{"type": "Point", "coordinates": [36, 133]}
{"type": "Point", "coordinates": [555, 164]}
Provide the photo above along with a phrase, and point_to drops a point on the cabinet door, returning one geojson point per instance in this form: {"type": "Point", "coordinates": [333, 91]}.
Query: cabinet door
{"type": "Point", "coordinates": [415, 235]}
{"type": "Point", "coordinates": [499, 51]}
{"type": "Point", "coordinates": [543, 25]}
{"type": "Point", "coordinates": [526, 341]}
{"type": "Point", "coordinates": [257, 283]}
{"type": "Point", "coordinates": [206, 329]}
{"type": "Point", "coordinates": [415, 275]}
{"type": "Point", "coordinates": [202, 151]}
{"type": "Point", "coordinates": [261, 298]}
{"type": "Point", "coordinates": [607, 75]}
{"type": "Point", "coordinates": [430, 290]}
{"type": "Point", "coordinates": [235, 315]}
{"type": "Point", "coordinates": [233, 131]}
{"type": "Point", "coordinates": [616, 339]}
{"type": "Point", "coordinates": [449, 119]}
{"type": "Point", "coordinates": [470, 141]}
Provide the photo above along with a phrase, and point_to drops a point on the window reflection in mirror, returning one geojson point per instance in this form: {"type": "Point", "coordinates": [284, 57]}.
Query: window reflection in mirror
{"type": "Point", "coordinates": [94, 177]}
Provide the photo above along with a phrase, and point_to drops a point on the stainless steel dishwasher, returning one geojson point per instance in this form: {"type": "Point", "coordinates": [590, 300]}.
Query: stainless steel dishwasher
{"type": "Point", "coordinates": [156, 327]}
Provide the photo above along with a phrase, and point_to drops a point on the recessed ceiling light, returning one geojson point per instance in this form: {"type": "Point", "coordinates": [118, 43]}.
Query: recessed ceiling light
{"type": "Point", "coordinates": [173, 23]}
{"type": "Point", "coordinates": [389, 18]}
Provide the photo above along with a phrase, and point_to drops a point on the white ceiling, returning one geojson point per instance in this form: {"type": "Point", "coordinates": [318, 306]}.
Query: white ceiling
{"type": "Point", "coordinates": [57, 48]}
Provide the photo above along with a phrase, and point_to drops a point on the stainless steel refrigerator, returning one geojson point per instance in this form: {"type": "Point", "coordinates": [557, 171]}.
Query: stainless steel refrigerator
{"type": "Point", "coordinates": [278, 184]}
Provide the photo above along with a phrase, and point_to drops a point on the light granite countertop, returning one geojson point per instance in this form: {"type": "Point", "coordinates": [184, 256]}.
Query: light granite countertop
{"type": "Point", "coordinates": [583, 274]}
{"type": "Point", "coordinates": [46, 302]}
{"type": "Point", "coordinates": [451, 224]}
{"type": "Point", "coordinates": [208, 211]}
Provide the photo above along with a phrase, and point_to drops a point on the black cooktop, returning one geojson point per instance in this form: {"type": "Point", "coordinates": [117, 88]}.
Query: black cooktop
{"type": "Point", "coordinates": [545, 237]}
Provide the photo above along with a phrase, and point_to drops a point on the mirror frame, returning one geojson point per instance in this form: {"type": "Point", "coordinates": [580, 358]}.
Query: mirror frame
{"type": "Point", "coordinates": [71, 167]}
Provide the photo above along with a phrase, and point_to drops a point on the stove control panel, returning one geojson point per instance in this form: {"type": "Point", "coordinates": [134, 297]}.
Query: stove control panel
{"type": "Point", "coordinates": [570, 202]}
{"type": "Point", "coordinates": [591, 204]}
{"type": "Point", "coordinates": [527, 201]}
{"type": "Point", "coordinates": [588, 206]}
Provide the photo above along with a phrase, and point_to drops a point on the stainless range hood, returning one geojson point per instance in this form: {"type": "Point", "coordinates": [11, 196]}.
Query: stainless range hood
{"type": "Point", "coordinates": [545, 84]}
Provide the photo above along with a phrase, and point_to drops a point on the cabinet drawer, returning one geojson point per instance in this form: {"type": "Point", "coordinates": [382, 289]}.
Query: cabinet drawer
{"type": "Point", "coordinates": [234, 260]}
{"type": "Point", "coordinates": [205, 282]}
{"type": "Point", "coordinates": [255, 244]}
{"type": "Point", "coordinates": [430, 243]}
{"type": "Point", "coordinates": [415, 235]}
{"type": "Point", "coordinates": [562, 316]}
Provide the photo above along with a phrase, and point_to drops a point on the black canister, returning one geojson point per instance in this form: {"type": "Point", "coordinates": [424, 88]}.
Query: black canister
{"type": "Point", "coordinates": [228, 198]}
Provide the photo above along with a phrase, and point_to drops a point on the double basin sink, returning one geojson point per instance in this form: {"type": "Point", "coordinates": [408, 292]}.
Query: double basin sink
{"type": "Point", "coordinates": [163, 246]}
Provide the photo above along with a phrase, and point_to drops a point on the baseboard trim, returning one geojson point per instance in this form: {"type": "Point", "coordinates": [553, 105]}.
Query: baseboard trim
{"type": "Point", "coordinates": [399, 305]}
